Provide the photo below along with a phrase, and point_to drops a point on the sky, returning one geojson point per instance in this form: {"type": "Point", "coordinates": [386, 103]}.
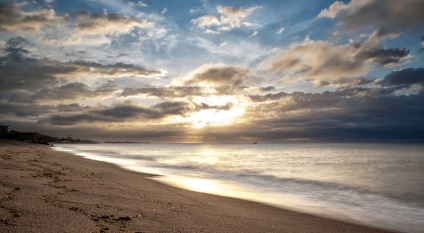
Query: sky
{"type": "Point", "coordinates": [214, 71]}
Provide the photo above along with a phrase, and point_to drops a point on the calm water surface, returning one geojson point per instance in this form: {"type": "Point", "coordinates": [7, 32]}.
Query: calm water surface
{"type": "Point", "coordinates": [376, 184]}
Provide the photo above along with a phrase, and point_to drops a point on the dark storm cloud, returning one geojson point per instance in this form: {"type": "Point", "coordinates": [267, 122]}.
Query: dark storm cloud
{"type": "Point", "coordinates": [404, 77]}
{"type": "Point", "coordinates": [23, 110]}
{"type": "Point", "coordinates": [385, 16]}
{"type": "Point", "coordinates": [170, 92]}
{"type": "Point", "coordinates": [268, 97]}
{"type": "Point", "coordinates": [107, 88]}
{"type": "Point", "coordinates": [407, 133]}
{"type": "Point", "coordinates": [69, 119]}
{"type": "Point", "coordinates": [70, 107]}
{"type": "Point", "coordinates": [345, 114]}
{"type": "Point", "coordinates": [345, 92]}
{"type": "Point", "coordinates": [385, 57]}
{"type": "Point", "coordinates": [268, 88]}
{"type": "Point", "coordinates": [127, 111]}
{"type": "Point", "coordinates": [172, 108]}
{"type": "Point", "coordinates": [120, 112]}
{"type": "Point", "coordinates": [345, 82]}
{"type": "Point", "coordinates": [75, 90]}
{"type": "Point", "coordinates": [156, 112]}
{"type": "Point", "coordinates": [15, 46]}
{"type": "Point", "coordinates": [16, 96]}
{"type": "Point", "coordinates": [67, 91]}
{"type": "Point", "coordinates": [19, 72]}
{"type": "Point", "coordinates": [31, 111]}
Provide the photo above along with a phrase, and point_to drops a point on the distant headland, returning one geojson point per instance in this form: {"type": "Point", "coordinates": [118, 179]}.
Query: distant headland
{"type": "Point", "coordinates": [6, 132]}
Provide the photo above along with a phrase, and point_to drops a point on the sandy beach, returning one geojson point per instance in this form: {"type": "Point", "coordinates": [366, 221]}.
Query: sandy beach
{"type": "Point", "coordinates": [47, 191]}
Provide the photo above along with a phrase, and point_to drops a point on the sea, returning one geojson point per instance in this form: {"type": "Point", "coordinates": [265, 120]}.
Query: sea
{"type": "Point", "coordinates": [374, 184]}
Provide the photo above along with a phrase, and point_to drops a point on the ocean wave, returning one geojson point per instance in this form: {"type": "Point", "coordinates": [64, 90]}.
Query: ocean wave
{"type": "Point", "coordinates": [365, 202]}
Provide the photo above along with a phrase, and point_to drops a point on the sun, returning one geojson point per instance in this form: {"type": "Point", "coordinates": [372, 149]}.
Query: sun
{"type": "Point", "coordinates": [211, 117]}
{"type": "Point", "coordinates": [217, 116]}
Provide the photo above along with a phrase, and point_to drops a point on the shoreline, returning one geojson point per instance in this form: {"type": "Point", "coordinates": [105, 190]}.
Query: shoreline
{"type": "Point", "coordinates": [50, 191]}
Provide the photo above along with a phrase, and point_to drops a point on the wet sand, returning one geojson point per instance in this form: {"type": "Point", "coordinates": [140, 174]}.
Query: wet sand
{"type": "Point", "coordinates": [47, 191]}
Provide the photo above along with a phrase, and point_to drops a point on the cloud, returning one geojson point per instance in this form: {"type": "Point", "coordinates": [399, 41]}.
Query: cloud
{"type": "Point", "coordinates": [107, 88]}
{"type": "Point", "coordinates": [333, 10]}
{"type": "Point", "coordinates": [16, 96]}
{"type": "Point", "coordinates": [422, 40]}
{"type": "Point", "coordinates": [15, 47]}
{"type": "Point", "coordinates": [344, 82]}
{"type": "Point", "coordinates": [32, 80]}
{"type": "Point", "coordinates": [342, 92]}
{"type": "Point", "coordinates": [69, 119]}
{"type": "Point", "coordinates": [172, 108]}
{"type": "Point", "coordinates": [73, 91]}
{"type": "Point", "coordinates": [203, 106]}
{"type": "Point", "coordinates": [24, 110]}
{"type": "Point", "coordinates": [206, 21]}
{"type": "Point", "coordinates": [323, 61]}
{"type": "Point", "coordinates": [220, 75]}
{"type": "Point", "coordinates": [406, 76]}
{"type": "Point", "coordinates": [139, 3]}
{"type": "Point", "coordinates": [68, 91]}
{"type": "Point", "coordinates": [224, 79]}
{"type": "Point", "coordinates": [107, 24]}
{"type": "Point", "coordinates": [16, 44]}
{"type": "Point", "coordinates": [255, 33]}
{"type": "Point", "coordinates": [13, 19]}
{"type": "Point", "coordinates": [125, 111]}
{"type": "Point", "coordinates": [22, 73]}
{"type": "Point", "coordinates": [164, 92]}
{"type": "Point", "coordinates": [353, 113]}
{"type": "Point", "coordinates": [70, 107]}
{"type": "Point", "coordinates": [31, 74]}
{"type": "Point", "coordinates": [386, 57]}
{"type": "Point", "coordinates": [268, 97]}
{"type": "Point", "coordinates": [113, 70]}
{"type": "Point", "coordinates": [74, 27]}
{"type": "Point", "coordinates": [385, 16]}
{"type": "Point", "coordinates": [229, 18]}
{"type": "Point", "coordinates": [268, 88]}
{"type": "Point", "coordinates": [120, 112]}
{"type": "Point", "coordinates": [317, 60]}
{"type": "Point", "coordinates": [280, 31]}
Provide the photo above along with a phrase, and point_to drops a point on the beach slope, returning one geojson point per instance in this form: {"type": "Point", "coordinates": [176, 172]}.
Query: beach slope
{"type": "Point", "coordinates": [47, 191]}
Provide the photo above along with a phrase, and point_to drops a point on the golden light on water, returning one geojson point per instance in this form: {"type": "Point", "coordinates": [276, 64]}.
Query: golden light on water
{"type": "Point", "coordinates": [200, 185]}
